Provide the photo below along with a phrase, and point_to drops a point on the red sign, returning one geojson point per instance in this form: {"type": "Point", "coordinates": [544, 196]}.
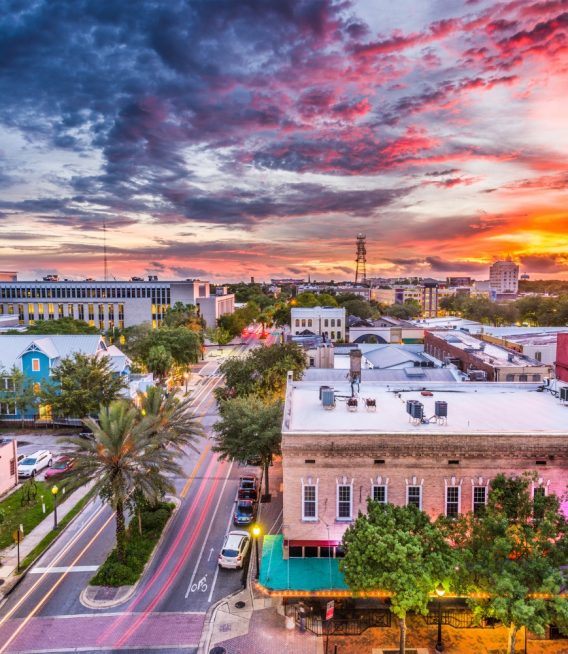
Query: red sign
{"type": "Point", "coordinates": [329, 610]}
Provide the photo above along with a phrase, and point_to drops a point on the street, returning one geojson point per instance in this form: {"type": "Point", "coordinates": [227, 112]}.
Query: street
{"type": "Point", "coordinates": [167, 611]}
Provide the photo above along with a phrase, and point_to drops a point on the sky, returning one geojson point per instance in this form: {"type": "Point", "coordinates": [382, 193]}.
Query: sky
{"type": "Point", "coordinates": [229, 139]}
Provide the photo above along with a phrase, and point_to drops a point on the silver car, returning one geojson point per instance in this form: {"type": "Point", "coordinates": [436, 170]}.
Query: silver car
{"type": "Point", "coordinates": [235, 548]}
{"type": "Point", "coordinates": [34, 463]}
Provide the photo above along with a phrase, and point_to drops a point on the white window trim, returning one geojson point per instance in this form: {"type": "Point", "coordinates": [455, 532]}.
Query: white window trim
{"type": "Point", "coordinates": [413, 481]}
{"type": "Point", "coordinates": [344, 482]}
{"type": "Point", "coordinates": [379, 481]}
{"type": "Point", "coordinates": [479, 482]}
{"type": "Point", "coordinates": [540, 483]}
{"type": "Point", "coordinates": [453, 483]}
{"type": "Point", "coordinates": [310, 482]}
{"type": "Point", "coordinates": [38, 365]}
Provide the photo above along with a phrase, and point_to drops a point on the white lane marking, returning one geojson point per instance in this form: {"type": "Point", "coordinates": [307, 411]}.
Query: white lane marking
{"type": "Point", "coordinates": [75, 568]}
{"type": "Point", "coordinates": [217, 569]}
{"type": "Point", "coordinates": [209, 530]}
{"type": "Point", "coordinates": [210, 554]}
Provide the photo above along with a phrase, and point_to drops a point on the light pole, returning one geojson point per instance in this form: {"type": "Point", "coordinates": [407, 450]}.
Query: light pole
{"type": "Point", "coordinates": [186, 377]}
{"type": "Point", "coordinates": [54, 491]}
{"type": "Point", "coordinates": [256, 534]}
{"type": "Point", "coordinates": [440, 592]}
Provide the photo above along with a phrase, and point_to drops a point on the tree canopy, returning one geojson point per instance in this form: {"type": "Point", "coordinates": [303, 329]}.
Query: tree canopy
{"type": "Point", "coordinates": [261, 372]}
{"type": "Point", "coordinates": [512, 551]}
{"type": "Point", "coordinates": [249, 428]}
{"type": "Point", "coordinates": [60, 326]}
{"type": "Point", "coordinates": [397, 549]}
{"type": "Point", "coordinates": [80, 385]}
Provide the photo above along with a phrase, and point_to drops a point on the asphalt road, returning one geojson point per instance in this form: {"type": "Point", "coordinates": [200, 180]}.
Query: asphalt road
{"type": "Point", "coordinates": [44, 612]}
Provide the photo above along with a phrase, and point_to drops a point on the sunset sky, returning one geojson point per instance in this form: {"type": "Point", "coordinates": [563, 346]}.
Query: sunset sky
{"type": "Point", "coordinates": [225, 139]}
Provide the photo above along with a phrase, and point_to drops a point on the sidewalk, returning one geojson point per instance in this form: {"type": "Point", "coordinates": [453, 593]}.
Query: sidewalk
{"type": "Point", "coordinates": [9, 556]}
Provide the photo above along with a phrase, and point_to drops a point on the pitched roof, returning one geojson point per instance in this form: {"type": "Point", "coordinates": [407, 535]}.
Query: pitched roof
{"type": "Point", "coordinates": [55, 347]}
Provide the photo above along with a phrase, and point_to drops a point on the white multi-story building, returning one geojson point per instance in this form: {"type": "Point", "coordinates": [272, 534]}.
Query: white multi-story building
{"type": "Point", "coordinates": [322, 321]}
{"type": "Point", "coordinates": [504, 277]}
{"type": "Point", "coordinates": [106, 304]}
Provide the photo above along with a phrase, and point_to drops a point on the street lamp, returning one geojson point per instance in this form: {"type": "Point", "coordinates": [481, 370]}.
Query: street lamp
{"type": "Point", "coordinates": [256, 531]}
{"type": "Point", "coordinates": [440, 592]}
{"type": "Point", "coordinates": [54, 491]}
{"type": "Point", "coordinates": [186, 377]}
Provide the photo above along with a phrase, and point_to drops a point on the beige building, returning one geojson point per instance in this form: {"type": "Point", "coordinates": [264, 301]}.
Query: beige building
{"type": "Point", "coordinates": [339, 452]}
{"type": "Point", "coordinates": [504, 277]}
{"type": "Point", "coordinates": [321, 321]}
{"type": "Point", "coordinates": [8, 464]}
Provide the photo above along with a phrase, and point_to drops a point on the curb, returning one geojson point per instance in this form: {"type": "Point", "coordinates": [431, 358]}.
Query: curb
{"type": "Point", "coordinates": [129, 591]}
{"type": "Point", "coordinates": [209, 623]}
{"type": "Point", "coordinates": [14, 580]}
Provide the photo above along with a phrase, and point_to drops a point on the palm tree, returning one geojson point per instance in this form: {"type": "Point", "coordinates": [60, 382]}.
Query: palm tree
{"type": "Point", "coordinates": [123, 461]}
{"type": "Point", "coordinates": [174, 422]}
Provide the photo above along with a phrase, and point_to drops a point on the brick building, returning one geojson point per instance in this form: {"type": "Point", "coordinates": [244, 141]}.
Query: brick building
{"type": "Point", "coordinates": [562, 357]}
{"type": "Point", "coordinates": [335, 456]}
{"type": "Point", "coordinates": [483, 360]}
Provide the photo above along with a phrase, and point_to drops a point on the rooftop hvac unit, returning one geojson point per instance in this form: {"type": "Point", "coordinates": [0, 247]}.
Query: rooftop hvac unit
{"type": "Point", "coordinates": [328, 398]}
{"type": "Point", "coordinates": [564, 393]}
{"type": "Point", "coordinates": [440, 409]}
{"type": "Point", "coordinates": [409, 404]}
{"type": "Point", "coordinates": [322, 389]}
{"type": "Point", "coordinates": [417, 410]}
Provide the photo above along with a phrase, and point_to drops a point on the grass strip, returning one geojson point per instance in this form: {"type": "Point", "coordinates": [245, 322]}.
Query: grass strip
{"type": "Point", "coordinates": [46, 541]}
{"type": "Point", "coordinates": [139, 547]}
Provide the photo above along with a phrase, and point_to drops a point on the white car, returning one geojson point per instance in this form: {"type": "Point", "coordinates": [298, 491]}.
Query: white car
{"type": "Point", "coordinates": [34, 463]}
{"type": "Point", "coordinates": [234, 550]}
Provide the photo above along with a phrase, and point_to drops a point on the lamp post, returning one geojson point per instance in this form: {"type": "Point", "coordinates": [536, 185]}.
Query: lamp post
{"type": "Point", "coordinates": [54, 491]}
{"type": "Point", "coordinates": [256, 534]}
{"type": "Point", "coordinates": [186, 377]}
{"type": "Point", "coordinates": [440, 592]}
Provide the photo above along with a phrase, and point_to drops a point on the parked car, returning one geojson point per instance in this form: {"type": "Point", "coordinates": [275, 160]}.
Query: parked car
{"type": "Point", "coordinates": [60, 466]}
{"type": "Point", "coordinates": [244, 512]}
{"type": "Point", "coordinates": [248, 488]}
{"type": "Point", "coordinates": [34, 463]}
{"type": "Point", "coordinates": [235, 548]}
{"type": "Point", "coordinates": [87, 433]}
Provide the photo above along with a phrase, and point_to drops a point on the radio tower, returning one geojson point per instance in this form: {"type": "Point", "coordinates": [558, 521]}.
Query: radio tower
{"type": "Point", "coordinates": [361, 260]}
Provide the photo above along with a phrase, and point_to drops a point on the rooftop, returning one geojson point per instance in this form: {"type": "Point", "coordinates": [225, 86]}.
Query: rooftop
{"type": "Point", "coordinates": [473, 408]}
{"type": "Point", "coordinates": [490, 354]}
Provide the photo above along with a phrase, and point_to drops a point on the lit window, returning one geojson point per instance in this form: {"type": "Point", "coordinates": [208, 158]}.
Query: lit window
{"type": "Point", "coordinates": [35, 365]}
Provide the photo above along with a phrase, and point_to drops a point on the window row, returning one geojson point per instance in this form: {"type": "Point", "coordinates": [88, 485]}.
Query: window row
{"type": "Point", "coordinates": [379, 493]}
{"type": "Point", "coordinates": [327, 322]}
{"type": "Point", "coordinates": [156, 294]}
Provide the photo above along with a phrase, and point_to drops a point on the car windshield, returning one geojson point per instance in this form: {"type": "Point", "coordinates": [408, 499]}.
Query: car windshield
{"type": "Point", "coordinates": [28, 462]}
{"type": "Point", "coordinates": [230, 554]}
{"type": "Point", "coordinates": [246, 510]}
{"type": "Point", "coordinates": [247, 483]}
{"type": "Point", "coordinates": [60, 465]}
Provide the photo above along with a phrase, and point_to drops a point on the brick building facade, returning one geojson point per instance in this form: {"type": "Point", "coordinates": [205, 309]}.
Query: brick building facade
{"type": "Point", "coordinates": [334, 459]}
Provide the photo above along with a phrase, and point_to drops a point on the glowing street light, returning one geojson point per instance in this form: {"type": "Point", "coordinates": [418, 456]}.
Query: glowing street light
{"type": "Point", "coordinates": [440, 592]}
{"type": "Point", "coordinates": [256, 531]}
{"type": "Point", "coordinates": [54, 491]}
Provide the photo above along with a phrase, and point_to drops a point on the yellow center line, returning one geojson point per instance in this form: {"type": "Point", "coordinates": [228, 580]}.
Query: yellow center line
{"type": "Point", "coordinates": [50, 592]}
{"type": "Point", "coordinates": [191, 478]}
{"type": "Point", "coordinates": [53, 563]}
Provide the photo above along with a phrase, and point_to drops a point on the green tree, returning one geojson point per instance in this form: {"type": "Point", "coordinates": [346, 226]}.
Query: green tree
{"type": "Point", "coordinates": [513, 551]}
{"type": "Point", "coordinates": [181, 343]}
{"type": "Point", "coordinates": [219, 335]}
{"type": "Point", "coordinates": [263, 371]}
{"type": "Point", "coordinates": [174, 421]}
{"type": "Point", "coordinates": [159, 361]}
{"type": "Point", "coordinates": [249, 428]}
{"type": "Point", "coordinates": [410, 309]}
{"type": "Point", "coordinates": [19, 391]}
{"type": "Point", "coordinates": [282, 315]}
{"type": "Point", "coordinates": [397, 549]}
{"type": "Point", "coordinates": [306, 299]}
{"type": "Point", "coordinates": [124, 460]}
{"type": "Point", "coordinates": [183, 315]}
{"type": "Point", "coordinates": [61, 326]}
{"type": "Point", "coordinates": [80, 385]}
{"type": "Point", "coordinates": [357, 307]}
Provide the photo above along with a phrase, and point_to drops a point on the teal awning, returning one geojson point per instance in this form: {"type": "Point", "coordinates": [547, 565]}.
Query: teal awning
{"type": "Point", "coordinates": [311, 574]}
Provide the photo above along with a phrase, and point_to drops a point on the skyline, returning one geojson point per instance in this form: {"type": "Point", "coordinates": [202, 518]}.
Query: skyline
{"type": "Point", "coordinates": [234, 139]}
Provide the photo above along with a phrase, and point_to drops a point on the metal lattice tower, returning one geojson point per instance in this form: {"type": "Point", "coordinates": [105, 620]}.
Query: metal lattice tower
{"type": "Point", "coordinates": [105, 249]}
{"type": "Point", "coordinates": [361, 260]}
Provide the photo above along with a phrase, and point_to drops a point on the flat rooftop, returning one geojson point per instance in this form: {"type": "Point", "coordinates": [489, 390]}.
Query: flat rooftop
{"type": "Point", "coordinates": [473, 408]}
{"type": "Point", "coordinates": [490, 354]}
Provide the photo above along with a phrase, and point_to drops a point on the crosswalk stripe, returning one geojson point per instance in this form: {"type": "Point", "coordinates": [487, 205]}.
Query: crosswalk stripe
{"type": "Point", "coordinates": [75, 568]}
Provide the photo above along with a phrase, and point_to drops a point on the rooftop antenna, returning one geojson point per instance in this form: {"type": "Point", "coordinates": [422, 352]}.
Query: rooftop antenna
{"type": "Point", "coordinates": [105, 249]}
{"type": "Point", "coordinates": [361, 260]}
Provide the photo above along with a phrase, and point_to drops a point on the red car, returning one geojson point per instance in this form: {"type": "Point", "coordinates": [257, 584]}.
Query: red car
{"type": "Point", "coordinates": [60, 466]}
{"type": "Point", "coordinates": [248, 488]}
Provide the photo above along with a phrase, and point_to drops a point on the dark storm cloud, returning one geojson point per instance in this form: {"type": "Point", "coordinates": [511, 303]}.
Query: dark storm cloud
{"type": "Point", "coordinates": [438, 264]}
{"type": "Point", "coordinates": [545, 263]}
